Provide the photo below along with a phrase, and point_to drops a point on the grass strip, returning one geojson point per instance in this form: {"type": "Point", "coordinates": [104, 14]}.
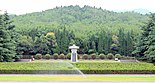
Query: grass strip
{"type": "Point", "coordinates": [35, 78]}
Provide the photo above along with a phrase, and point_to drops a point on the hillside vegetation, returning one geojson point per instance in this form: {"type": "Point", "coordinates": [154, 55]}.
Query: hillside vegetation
{"type": "Point", "coordinates": [83, 21]}
{"type": "Point", "coordinates": [94, 30]}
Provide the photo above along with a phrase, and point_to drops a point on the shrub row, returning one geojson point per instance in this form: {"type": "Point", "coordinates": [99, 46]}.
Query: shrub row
{"type": "Point", "coordinates": [86, 67]}
{"type": "Point", "coordinates": [70, 71]}
{"type": "Point", "coordinates": [114, 66]}
{"type": "Point", "coordinates": [118, 71]}
{"type": "Point", "coordinates": [54, 56]}
{"type": "Point", "coordinates": [84, 56]}
{"type": "Point", "coordinates": [103, 56]}
{"type": "Point", "coordinates": [38, 72]}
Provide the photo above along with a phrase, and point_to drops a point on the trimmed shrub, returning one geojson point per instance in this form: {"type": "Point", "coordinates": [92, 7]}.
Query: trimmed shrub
{"type": "Point", "coordinates": [55, 56]}
{"type": "Point", "coordinates": [85, 56]}
{"type": "Point", "coordinates": [93, 56]}
{"type": "Point", "coordinates": [91, 51]}
{"type": "Point", "coordinates": [61, 56]}
{"type": "Point", "coordinates": [69, 56]}
{"type": "Point", "coordinates": [47, 56]}
{"type": "Point", "coordinates": [38, 56]}
{"type": "Point", "coordinates": [118, 56]}
{"type": "Point", "coordinates": [110, 56]}
{"type": "Point", "coordinates": [102, 56]}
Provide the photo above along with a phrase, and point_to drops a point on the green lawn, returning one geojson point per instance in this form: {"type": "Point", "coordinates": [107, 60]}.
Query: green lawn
{"type": "Point", "coordinates": [42, 65]}
{"type": "Point", "coordinates": [79, 78]}
{"type": "Point", "coordinates": [86, 66]}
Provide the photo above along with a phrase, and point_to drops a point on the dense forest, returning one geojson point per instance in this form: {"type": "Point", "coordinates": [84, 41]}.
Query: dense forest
{"type": "Point", "coordinates": [93, 29]}
{"type": "Point", "coordinates": [83, 21]}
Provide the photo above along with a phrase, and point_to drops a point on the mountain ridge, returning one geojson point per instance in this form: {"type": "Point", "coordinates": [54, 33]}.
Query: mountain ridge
{"type": "Point", "coordinates": [81, 20]}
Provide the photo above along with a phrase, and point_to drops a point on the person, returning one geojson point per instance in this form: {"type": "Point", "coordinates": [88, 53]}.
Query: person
{"type": "Point", "coordinates": [32, 58]}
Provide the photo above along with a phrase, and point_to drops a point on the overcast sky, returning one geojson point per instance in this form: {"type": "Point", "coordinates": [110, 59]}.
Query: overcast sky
{"type": "Point", "coordinates": [28, 6]}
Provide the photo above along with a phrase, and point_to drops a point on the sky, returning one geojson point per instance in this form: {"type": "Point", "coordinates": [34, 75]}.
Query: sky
{"type": "Point", "coordinates": [27, 6]}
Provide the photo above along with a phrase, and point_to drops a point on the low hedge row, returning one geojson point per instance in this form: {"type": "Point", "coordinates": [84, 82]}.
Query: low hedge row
{"type": "Point", "coordinates": [114, 66]}
{"type": "Point", "coordinates": [39, 72]}
{"type": "Point", "coordinates": [118, 71]}
{"type": "Point", "coordinates": [83, 56]}
{"type": "Point", "coordinates": [86, 67]}
{"type": "Point", "coordinates": [76, 72]}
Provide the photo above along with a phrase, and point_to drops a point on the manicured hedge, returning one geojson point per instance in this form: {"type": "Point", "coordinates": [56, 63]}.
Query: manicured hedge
{"type": "Point", "coordinates": [118, 71]}
{"type": "Point", "coordinates": [44, 67]}
{"type": "Point", "coordinates": [35, 67]}
{"type": "Point", "coordinates": [39, 72]}
{"type": "Point", "coordinates": [116, 68]}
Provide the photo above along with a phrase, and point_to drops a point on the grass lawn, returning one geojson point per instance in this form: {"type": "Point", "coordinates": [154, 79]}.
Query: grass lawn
{"type": "Point", "coordinates": [86, 66]}
{"type": "Point", "coordinates": [43, 64]}
{"type": "Point", "coordinates": [79, 78]}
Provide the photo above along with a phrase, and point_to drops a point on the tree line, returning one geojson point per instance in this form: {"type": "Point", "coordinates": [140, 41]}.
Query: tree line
{"type": "Point", "coordinates": [14, 43]}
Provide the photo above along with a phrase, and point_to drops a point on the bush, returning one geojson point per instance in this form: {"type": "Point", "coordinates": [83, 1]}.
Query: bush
{"type": "Point", "coordinates": [91, 51]}
{"type": "Point", "coordinates": [110, 56]}
{"type": "Point", "coordinates": [47, 56]}
{"type": "Point", "coordinates": [55, 56]}
{"type": "Point", "coordinates": [69, 56]}
{"type": "Point", "coordinates": [38, 56]}
{"type": "Point", "coordinates": [118, 56]}
{"type": "Point", "coordinates": [102, 56]}
{"type": "Point", "coordinates": [93, 56]}
{"type": "Point", "coordinates": [85, 56]}
{"type": "Point", "coordinates": [62, 56]}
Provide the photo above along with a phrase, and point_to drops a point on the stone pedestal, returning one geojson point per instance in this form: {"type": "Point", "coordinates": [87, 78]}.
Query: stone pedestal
{"type": "Point", "coordinates": [74, 57]}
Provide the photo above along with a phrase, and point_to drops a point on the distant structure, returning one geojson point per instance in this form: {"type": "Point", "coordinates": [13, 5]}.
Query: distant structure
{"type": "Point", "coordinates": [74, 57]}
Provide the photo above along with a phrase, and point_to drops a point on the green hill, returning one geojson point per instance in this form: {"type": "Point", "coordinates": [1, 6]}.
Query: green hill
{"type": "Point", "coordinates": [83, 21]}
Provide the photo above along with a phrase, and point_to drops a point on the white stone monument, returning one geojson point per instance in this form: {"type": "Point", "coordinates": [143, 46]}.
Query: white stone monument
{"type": "Point", "coordinates": [74, 57]}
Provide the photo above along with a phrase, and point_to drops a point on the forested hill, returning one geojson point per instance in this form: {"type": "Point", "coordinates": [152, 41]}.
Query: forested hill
{"type": "Point", "coordinates": [94, 30]}
{"type": "Point", "coordinates": [80, 20]}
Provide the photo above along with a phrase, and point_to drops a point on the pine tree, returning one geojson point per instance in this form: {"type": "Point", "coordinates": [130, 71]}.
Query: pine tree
{"type": "Point", "coordinates": [107, 42]}
{"type": "Point", "coordinates": [129, 44]}
{"type": "Point", "coordinates": [7, 44]}
{"type": "Point", "coordinates": [101, 42]}
{"type": "Point", "coordinates": [122, 42]}
{"type": "Point", "coordinates": [63, 39]}
{"type": "Point", "coordinates": [41, 45]}
{"type": "Point", "coordinates": [146, 47]}
{"type": "Point", "coordinates": [150, 53]}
